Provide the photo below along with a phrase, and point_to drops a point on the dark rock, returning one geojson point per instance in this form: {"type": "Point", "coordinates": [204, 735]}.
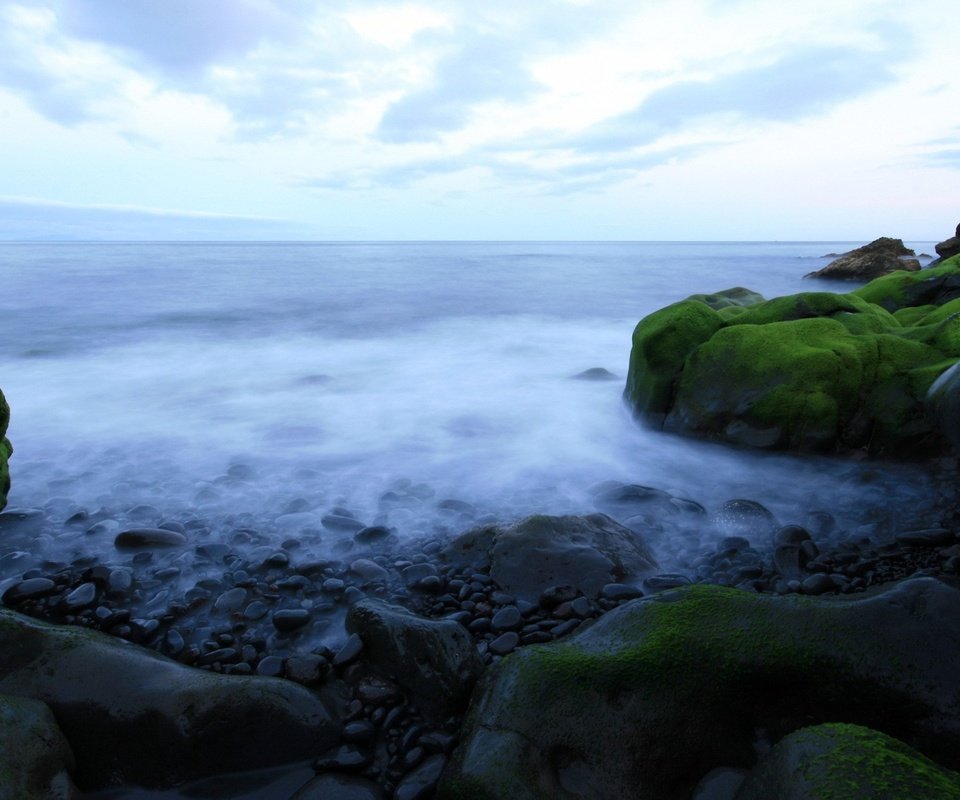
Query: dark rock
{"type": "Point", "coordinates": [745, 518]}
{"type": "Point", "coordinates": [341, 524]}
{"type": "Point", "coordinates": [931, 537]}
{"type": "Point", "coordinates": [862, 764]}
{"type": "Point", "coordinates": [305, 668]}
{"type": "Point", "coordinates": [553, 596]}
{"type": "Point", "coordinates": [507, 618]}
{"type": "Point", "coordinates": [132, 716]}
{"type": "Point", "coordinates": [595, 374]}
{"type": "Point", "coordinates": [270, 667]}
{"type": "Point", "coordinates": [435, 661]}
{"type": "Point", "coordinates": [84, 595]}
{"type": "Point", "coordinates": [658, 583]}
{"type": "Point", "coordinates": [139, 538]}
{"type": "Point", "coordinates": [619, 592]}
{"type": "Point", "coordinates": [349, 652]}
{"type": "Point", "coordinates": [36, 761]}
{"type": "Point", "coordinates": [541, 551]}
{"type": "Point", "coordinates": [419, 784]}
{"type": "Point", "coordinates": [346, 758]}
{"type": "Point", "coordinates": [231, 600]}
{"type": "Point", "coordinates": [943, 403]}
{"type": "Point", "coordinates": [610, 707]}
{"type": "Point", "coordinates": [949, 247]}
{"type": "Point", "coordinates": [29, 590]}
{"type": "Point", "coordinates": [818, 584]}
{"type": "Point", "coordinates": [413, 574]}
{"type": "Point", "coordinates": [505, 643]}
{"type": "Point", "coordinates": [880, 257]}
{"type": "Point", "coordinates": [371, 534]}
{"type": "Point", "coordinates": [290, 619]}
{"type": "Point", "coordinates": [333, 786]}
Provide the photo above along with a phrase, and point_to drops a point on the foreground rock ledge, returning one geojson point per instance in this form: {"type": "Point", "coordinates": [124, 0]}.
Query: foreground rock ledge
{"type": "Point", "coordinates": [660, 691]}
{"type": "Point", "coordinates": [132, 716]}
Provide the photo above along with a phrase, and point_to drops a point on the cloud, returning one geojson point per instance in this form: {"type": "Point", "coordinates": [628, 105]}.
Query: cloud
{"type": "Point", "coordinates": [801, 84]}
{"type": "Point", "coordinates": [30, 219]}
{"type": "Point", "coordinates": [483, 67]}
{"type": "Point", "coordinates": [949, 157]}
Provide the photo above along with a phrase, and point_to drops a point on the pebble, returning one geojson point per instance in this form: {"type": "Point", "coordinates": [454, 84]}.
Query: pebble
{"type": "Point", "coordinates": [932, 537]}
{"type": "Point", "coordinates": [817, 584]}
{"type": "Point", "coordinates": [341, 524]}
{"type": "Point", "coordinates": [270, 667]}
{"type": "Point", "coordinates": [419, 784]}
{"type": "Point", "coordinates": [619, 592]}
{"type": "Point", "coordinates": [256, 610]}
{"type": "Point", "coordinates": [29, 589]}
{"type": "Point", "coordinates": [349, 652]}
{"type": "Point", "coordinates": [371, 534]}
{"type": "Point", "coordinates": [84, 595]}
{"type": "Point", "coordinates": [290, 619]}
{"type": "Point", "coordinates": [346, 758]}
{"type": "Point", "coordinates": [417, 572]}
{"type": "Point", "coordinates": [368, 570]}
{"type": "Point", "coordinates": [507, 618]}
{"type": "Point", "coordinates": [505, 643]}
{"type": "Point", "coordinates": [657, 583]}
{"type": "Point", "coordinates": [137, 538]}
{"type": "Point", "coordinates": [231, 600]}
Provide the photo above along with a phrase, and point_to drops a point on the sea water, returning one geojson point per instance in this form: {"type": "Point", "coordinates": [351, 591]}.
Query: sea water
{"type": "Point", "coordinates": [266, 385]}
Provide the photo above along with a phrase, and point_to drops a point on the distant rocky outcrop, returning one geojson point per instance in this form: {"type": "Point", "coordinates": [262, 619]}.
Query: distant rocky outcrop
{"type": "Point", "coordinates": [949, 247]}
{"type": "Point", "coordinates": [881, 257]}
{"type": "Point", "coordinates": [6, 450]}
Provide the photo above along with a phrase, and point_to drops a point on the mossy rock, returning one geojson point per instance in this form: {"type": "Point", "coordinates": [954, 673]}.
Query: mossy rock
{"type": "Point", "coordinates": [815, 371]}
{"type": "Point", "coordinates": [35, 758]}
{"type": "Point", "coordinates": [6, 450]}
{"type": "Point", "coordinates": [660, 691]}
{"type": "Point", "coordinates": [933, 286]}
{"type": "Point", "coordinates": [847, 762]}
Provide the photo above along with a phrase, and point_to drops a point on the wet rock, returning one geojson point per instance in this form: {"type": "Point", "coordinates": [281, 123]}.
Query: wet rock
{"type": "Point", "coordinates": [372, 534]}
{"type": "Point", "coordinates": [341, 524]}
{"type": "Point", "coordinates": [419, 784]}
{"type": "Point", "coordinates": [601, 708]}
{"type": "Point", "coordinates": [851, 761]}
{"type": "Point", "coordinates": [133, 716]}
{"type": "Point", "coordinates": [349, 652]}
{"type": "Point", "coordinates": [231, 600]}
{"type": "Point", "coordinates": [435, 661]}
{"type": "Point", "coordinates": [595, 374]}
{"type": "Point", "coordinates": [29, 589]}
{"type": "Point", "coordinates": [931, 537]}
{"type": "Point", "coordinates": [507, 618]}
{"type": "Point", "coordinates": [346, 758]}
{"type": "Point", "coordinates": [745, 518]}
{"type": "Point", "coordinates": [415, 573]}
{"type": "Point", "coordinates": [290, 619]}
{"type": "Point", "coordinates": [619, 592]}
{"type": "Point", "coordinates": [541, 551]}
{"type": "Point", "coordinates": [505, 643]}
{"type": "Point", "coordinates": [84, 595]}
{"type": "Point", "coordinates": [368, 570]}
{"type": "Point", "coordinates": [36, 761]}
{"type": "Point", "coordinates": [333, 786]}
{"type": "Point", "coordinates": [141, 538]}
{"type": "Point", "coordinates": [880, 257]}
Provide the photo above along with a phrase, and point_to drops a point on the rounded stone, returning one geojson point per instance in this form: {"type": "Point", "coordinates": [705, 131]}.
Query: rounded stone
{"type": "Point", "coordinates": [507, 618]}
{"type": "Point", "coordinates": [290, 619]}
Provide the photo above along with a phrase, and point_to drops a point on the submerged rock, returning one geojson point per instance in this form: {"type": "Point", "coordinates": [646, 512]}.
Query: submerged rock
{"type": "Point", "coordinates": [6, 450]}
{"type": "Point", "coordinates": [881, 257]}
{"type": "Point", "coordinates": [133, 716]}
{"type": "Point", "coordinates": [825, 760]}
{"type": "Point", "coordinates": [813, 371]}
{"type": "Point", "coordinates": [524, 559]}
{"type": "Point", "coordinates": [660, 691]}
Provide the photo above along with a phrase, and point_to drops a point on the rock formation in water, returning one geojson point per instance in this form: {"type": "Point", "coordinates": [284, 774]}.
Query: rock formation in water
{"type": "Point", "coordinates": [881, 257]}
{"type": "Point", "coordinates": [815, 371]}
{"type": "Point", "coordinates": [6, 450]}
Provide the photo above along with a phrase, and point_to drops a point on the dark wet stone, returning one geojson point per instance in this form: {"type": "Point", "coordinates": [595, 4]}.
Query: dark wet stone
{"type": "Point", "coordinates": [346, 758]}
{"type": "Point", "coordinates": [595, 374]}
{"type": "Point", "coordinates": [417, 572]}
{"type": "Point", "coordinates": [290, 619]}
{"type": "Point", "coordinates": [371, 534]}
{"type": "Point", "coordinates": [29, 589]}
{"type": "Point", "coordinates": [377, 691]}
{"type": "Point", "coordinates": [786, 560]}
{"type": "Point", "coordinates": [341, 524]}
{"type": "Point", "coordinates": [932, 537]}
{"type": "Point", "coordinates": [278, 559]}
{"type": "Point", "coordinates": [359, 731]}
{"type": "Point", "coordinates": [305, 668]}
{"type": "Point", "coordinates": [334, 786]}
{"type": "Point", "coordinates": [21, 520]}
{"type": "Point", "coordinates": [221, 654]}
{"type": "Point", "coordinates": [457, 506]}
{"type": "Point", "coordinates": [420, 783]}
{"type": "Point", "coordinates": [214, 551]}
{"type": "Point", "coordinates": [350, 651]}
{"type": "Point", "coordinates": [658, 583]}
{"type": "Point", "coordinates": [791, 535]}
{"type": "Point", "coordinates": [84, 595]}
{"type": "Point", "coordinates": [505, 643]}
{"type": "Point", "coordinates": [818, 584]}
{"type": "Point", "coordinates": [270, 667]}
{"type": "Point", "coordinates": [553, 596]}
{"type": "Point", "coordinates": [368, 570]}
{"type": "Point", "coordinates": [619, 592]}
{"type": "Point", "coordinates": [333, 585]}
{"type": "Point", "coordinates": [231, 600]}
{"type": "Point", "coordinates": [137, 538]}
{"type": "Point", "coordinates": [507, 618]}
{"type": "Point", "coordinates": [745, 518]}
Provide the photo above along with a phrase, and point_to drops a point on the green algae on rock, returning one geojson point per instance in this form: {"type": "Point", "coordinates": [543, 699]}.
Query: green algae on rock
{"type": "Point", "coordinates": [814, 371]}
{"type": "Point", "coordinates": [847, 762]}
{"type": "Point", "coordinates": [655, 694]}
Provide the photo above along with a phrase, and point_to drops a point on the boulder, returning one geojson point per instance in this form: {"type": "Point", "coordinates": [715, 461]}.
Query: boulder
{"type": "Point", "coordinates": [133, 716]}
{"type": "Point", "coordinates": [949, 247]}
{"type": "Point", "coordinates": [662, 690]}
{"type": "Point", "coordinates": [6, 450]}
{"type": "Point", "coordinates": [825, 760]}
{"type": "Point", "coordinates": [881, 257]}
{"type": "Point", "coordinates": [541, 551]}
{"type": "Point", "coordinates": [943, 403]}
{"type": "Point", "coordinates": [434, 660]}
{"type": "Point", "coordinates": [814, 371]}
{"type": "Point", "coordinates": [35, 759]}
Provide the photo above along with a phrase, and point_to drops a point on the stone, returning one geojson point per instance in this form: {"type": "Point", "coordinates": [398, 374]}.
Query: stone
{"type": "Point", "coordinates": [36, 761]}
{"type": "Point", "coordinates": [745, 518]}
{"type": "Point", "coordinates": [643, 700]}
{"type": "Point", "coordinates": [595, 374]}
{"type": "Point", "coordinates": [290, 619]}
{"type": "Point", "coordinates": [880, 257]}
{"type": "Point", "coordinates": [505, 643]}
{"type": "Point", "coordinates": [930, 537]}
{"type": "Point", "coordinates": [231, 600]}
{"type": "Point", "coordinates": [349, 651]}
{"type": "Point", "coordinates": [434, 661]}
{"type": "Point", "coordinates": [852, 761]}
{"type": "Point", "coordinates": [133, 716]}
{"type": "Point", "coordinates": [524, 559]}
{"type": "Point", "coordinates": [144, 538]}
{"type": "Point", "coordinates": [29, 589]}
{"type": "Point", "coordinates": [942, 402]}
{"type": "Point", "coordinates": [949, 247]}
{"type": "Point", "coordinates": [420, 782]}
{"type": "Point", "coordinates": [334, 786]}
{"type": "Point", "coordinates": [368, 570]}
{"type": "Point", "coordinates": [814, 371]}
{"type": "Point", "coordinates": [84, 595]}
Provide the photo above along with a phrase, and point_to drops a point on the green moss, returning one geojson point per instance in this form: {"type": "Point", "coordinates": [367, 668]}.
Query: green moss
{"type": "Point", "coordinates": [735, 299]}
{"type": "Point", "coordinates": [874, 765]}
{"type": "Point", "coordinates": [902, 289]}
{"type": "Point", "coordinates": [661, 344]}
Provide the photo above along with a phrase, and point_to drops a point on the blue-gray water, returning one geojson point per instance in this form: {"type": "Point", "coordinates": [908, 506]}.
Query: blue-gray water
{"type": "Point", "coordinates": [140, 373]}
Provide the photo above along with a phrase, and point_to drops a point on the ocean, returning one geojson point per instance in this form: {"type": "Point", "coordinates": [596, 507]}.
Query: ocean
{"type": "Point", "coordinates": [263, 386]}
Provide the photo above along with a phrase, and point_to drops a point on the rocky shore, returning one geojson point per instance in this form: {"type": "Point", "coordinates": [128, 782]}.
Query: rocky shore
{"type": "Point", "coordinates": [548, 657]}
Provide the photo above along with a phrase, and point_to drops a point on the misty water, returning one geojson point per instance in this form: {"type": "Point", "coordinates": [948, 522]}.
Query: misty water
{"type": "Point", "coordinates": [261, 386]}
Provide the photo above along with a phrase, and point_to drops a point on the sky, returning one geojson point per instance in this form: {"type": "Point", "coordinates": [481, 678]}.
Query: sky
{"type": "Point", "coordinates": [450, 120]}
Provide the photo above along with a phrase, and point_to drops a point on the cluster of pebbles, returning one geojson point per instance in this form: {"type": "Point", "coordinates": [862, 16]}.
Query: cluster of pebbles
{"type": "Point", "coordinates": [242, 604]}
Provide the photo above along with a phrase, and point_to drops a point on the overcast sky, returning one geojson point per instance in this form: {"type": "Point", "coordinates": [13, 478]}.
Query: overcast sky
{"type": "Point", "coordinates": [490, 119]}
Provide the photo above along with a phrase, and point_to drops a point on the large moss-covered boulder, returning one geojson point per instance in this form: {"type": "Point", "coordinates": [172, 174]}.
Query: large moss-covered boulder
{"type": "Point", "coordinates": [132, 716]}
{"type": "Point", "coordinates": [659, 692]}
{"type": "Point", "coordinates": [6, 450]}
{"type": "Point", "coordinates": [812, 371]}
{"type": "Point", "coordinates": [847, 762]}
